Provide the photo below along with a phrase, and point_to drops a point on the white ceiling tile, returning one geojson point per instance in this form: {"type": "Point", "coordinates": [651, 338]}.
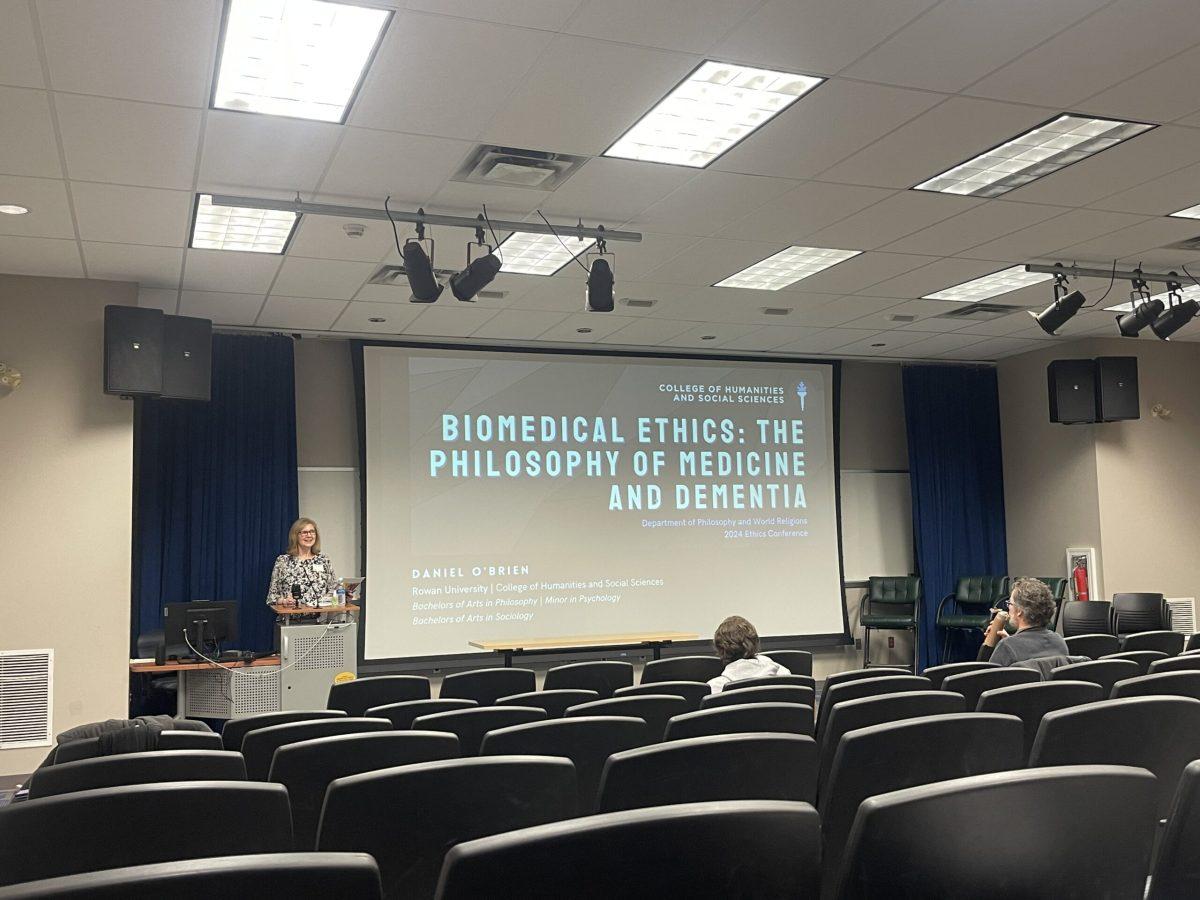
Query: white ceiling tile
{"type": "Point", "coordinates": [39, 256]}
{"type": "Point", "coordinates": [222, 308]}
{"type": "Point", "coordinates": [132, 215]}
{"type": "Point", "coordinates": [444, 320]}
{"type": "Point", "coordinates": [708, 261]}
{"type": "Point", "coordinates": [150, 266]}
{"type": "Point", "coordinates": [803, 210]}
{"type": "Point", "coordinates": [159, 298]}
{"type": "Point", "coordinates": [501, 200]}
{"type": "Point", "coordinates": [563, 292]}
{"type": "Point", "coordinates": [128, 143]}
{"type": "Point", "coordinates": [722, 333]}
{"type": "Point", "coordinates": [154, 50]}
{"type": "Point", "coordinates": [995, 348]}
{"type": "Point", "coordinates": [19, 63]}
{"type": "Point", "coordinates": [890, 219]}
{"type": "Point", "coordinates": [771, 337]}
{"type": "Point", "coordinates": [710, 202]}
{"type": "Point", "coordinates": [227, 271]}
{"type": "Point", "coordinates": [924, 310]}
{"type": "Point", "coordinates": [1043, 238]}
{"type": "Point", "coordinates": [825, 126]}
{"type": "Point", "coordinates": [517, 325]}
{"type": "Point", "coordinates": [1104, 49]}
{"type": "Point", "coordinates": [824, 341]}
{"type": "Point", "coordinates": [1015, 323]}
{"type": "Point", "coordinates": [876, 344]}
{"type": "Point", "coordinates": [301, 313]}
{"type": "Point", "coordinates": [325, 278]}
{"type": "Point", "coordinates": [548, 15]}
{"type": "Point", "coordinates": [357, 317]}
{"type": "Point", "coordinates": [646, 332]}
{"type": "Point", "coordinates": [860, 272]}
{"type": "Point", "coordinates": [615, 190]}
{"type": "Point", "coordinates": [687, 25]}
{"type": "Point", "coordinates": [1147, 235]}
{"type": "Point", "coordinates": [324, 237]}
{"type": "Point", "coordinates": [932, 346]}
{"type": "Point", "coordinates": [842, 311]}
{"type": "Point", "coordinates": [634, 260]}
{"type": "Point", "coordinates": [816, 36]}
{"type": "Point", "coordinates": [29, 146]}
{"type": "Point", "coordinates": [46, 199]}
{"type": "Point", "coordinates": [599, 325]}
{"type": "Point", "coordinates": [375, 163]}
{"type": "Point", "coordinates": [583, 94]}
{"type": "Point", "coordinates": [254, 151]}
{"type": "Point", "coordinates": [933, 277]}
{"type": "Point", "coordinates": [1153, 95]}
{"type": "Point", "coordinates": [1158, 197]}
{"type": "Point", "coordinates": [990, 220]}
{"type": "Point", "coordinates": [940, 139]}
{"type": "Point", "coordinates": [436, 75]}
{"type": "Point", "coordinates": [971, 38]}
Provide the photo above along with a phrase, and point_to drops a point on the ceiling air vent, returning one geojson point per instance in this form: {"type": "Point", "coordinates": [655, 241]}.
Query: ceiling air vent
{"type": "Point", "coordinates": [25, 696]}
{"type": "Point", "coordinates": [776, 311]}
{"type": "Point", "coordinates": [512, 167]}
{"type": "Point", "coordinates": [1192, 243]}
{"type": "Point", "coordinates": [394, 276]}
{"type": "Point", "coordinates": [900, 319]}
{"type": "Point", "coordinates": [636, 302]}
{"type": "Point", "coordinates": [979, 312]}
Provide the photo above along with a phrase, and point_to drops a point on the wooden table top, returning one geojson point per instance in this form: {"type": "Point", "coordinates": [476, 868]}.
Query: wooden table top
{"type": "Point", "coordinates": [311, 610]}
{"type": "Point", "coordinates": [584, 640]}
{"type": "Point", "coordinates": [151, 668]}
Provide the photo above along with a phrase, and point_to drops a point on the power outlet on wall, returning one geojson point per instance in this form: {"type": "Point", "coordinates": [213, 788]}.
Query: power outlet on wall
{"type": "Point", "coordinates": [858, 643]}
{"type": "Point", "coordinates": [891, 642]}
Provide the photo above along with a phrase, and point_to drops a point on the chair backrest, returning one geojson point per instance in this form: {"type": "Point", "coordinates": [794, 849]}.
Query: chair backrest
{"type": "Point", "coordinates": [107, 828]}
{"type": "Point", "coordinates": [1143, 658]}
{"type": "Point", "coordinates": [409, 816]}
{"type": "Point", "coordinates": [1175, 664]}
{"type": "Point", "coordinates": [150, 767]}
{"type": "Point", "coordinates": [1159, 684]}
{"type": "Point", "coordinates": [354, 698]}
{"type": "Point", "coordinates": [1193, 643]}
{"type": "Point", "coordinates": [70, 751]}
{"type": "Point", "coordinates": [402, 715]}
{"type": "Point", "coordinates": [189, 740]}
{"type": "Point", "coordinates": [236, 729]}
{"type": "Point", "coordinates": [938, 674]}
{"type": "Point", "coordinates": [653, 709]}
{"type": "Point", "coordinates": [849, 715]}
{"type": "Point", "coordinates": [798, 662]}
{"type": "Point", "coordinates": [1104, 672]}
{"type": "Point", "coordinates": [306, 768]}
{"type": "Point", "coordinates": [1161, 734]}
{"type": "Point", "coordinates": [781, 718]}
{"type": "Point", "coordinates": [554, 702]}
{"type": "Point", "coordinates": [1139, 612]}
{"type": "Point", "coordinates": [1093, 646]}
{"type": "Point", "coordinates": [926, 841]}
{"type": "Point", "coordinates": [1029, 702]}
{"type": "Point", "coordinates": [470, 725]}
{"type": "Point", "coordinates": [486, 686]}
{"type": "Point", "coordinates": [972, 684]}
{"type": "Point", "coordinates": [691, 691]}
{"type": "Point", "coordinates": [771, 681]}
{"type": "Point", "coordinates": [288, 874]}
{"type": "Point", "coordinates": [1079, 617]}
{"type": "Point", "coordinates": [785, 693]}
{"type": "Point", "coordinates": [882, 758]}
{"type": "Point", "coordinates": [751, 848]}
{"type": "Point", "coordinates": [1168, 642]}
{"type": "Point", "coordinates": [854, 674]}
{"type": "Point", "coordinates": [259, 745]}
{"type": "Point", "coordinates": [1177, 867]}
{"type": "Point", "coordinates": [587, 741]}
{"type": "Point", "coordinates": [601, 676]}
{"type": "Point", "coordinates": [867, 687]}
{"type": "Point", "coordinates": [682, 668]}
{"type": "Point", "coordinates": [980, 592]}
{"type": "Point", "coordinates": [893, 589]}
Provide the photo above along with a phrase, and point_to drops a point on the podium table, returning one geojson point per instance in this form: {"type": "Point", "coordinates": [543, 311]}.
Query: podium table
{"type": "Point", "coordinates": [314, 653]}
{"type": "Point", "coordinates": [654, 640]}
{"type": "Point", "coordinates": [211, 692]}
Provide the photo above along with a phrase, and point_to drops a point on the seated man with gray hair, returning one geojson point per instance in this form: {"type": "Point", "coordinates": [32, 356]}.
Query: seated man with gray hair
{"type": "Point", "coordinates": [1031, 609]}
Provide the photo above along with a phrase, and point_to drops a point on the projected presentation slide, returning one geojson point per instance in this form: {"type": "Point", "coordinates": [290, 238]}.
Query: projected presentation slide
{"type": "Point", "coordinates": [534, 495]}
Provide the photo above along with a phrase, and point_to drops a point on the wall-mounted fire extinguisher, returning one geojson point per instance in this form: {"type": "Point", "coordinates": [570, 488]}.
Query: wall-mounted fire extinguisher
{"type": "Point", "coordinates": [1080, 573]}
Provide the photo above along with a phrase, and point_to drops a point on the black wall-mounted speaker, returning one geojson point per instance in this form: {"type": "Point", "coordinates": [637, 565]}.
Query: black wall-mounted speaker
{"type": "Point", "coordinates": [1116, 388]}
{"type": "Point", "coordinates": [187, 358]}
{"type": "Point", "coordinates": [133, 338]}
{"type": "Point", "coordinates": [1072, 389]}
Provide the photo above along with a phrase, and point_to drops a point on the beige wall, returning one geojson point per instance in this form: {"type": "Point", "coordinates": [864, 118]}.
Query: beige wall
{"type": "Point", "coordinates": [872, 417]}
{"type": "Point", "coordinates": [66, 490]}
{"type": "Point", "coordinates": [326, 424]}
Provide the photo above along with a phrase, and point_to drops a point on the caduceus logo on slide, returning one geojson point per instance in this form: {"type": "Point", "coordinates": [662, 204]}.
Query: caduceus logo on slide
{"type": "Point", "coordinates": [802, 392]}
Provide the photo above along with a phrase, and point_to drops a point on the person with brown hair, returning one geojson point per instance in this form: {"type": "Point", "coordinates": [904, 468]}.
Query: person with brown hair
{"type": "Point", "coordinates": [736, 642]}
{"type": "Point", "coordinates": [304, 566]}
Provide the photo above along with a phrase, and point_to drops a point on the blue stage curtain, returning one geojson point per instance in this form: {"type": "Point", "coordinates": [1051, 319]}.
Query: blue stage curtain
{"type": "Point", "coordinates": [955, 467]}
{"type": "Point", "coordinates": [215, 488]}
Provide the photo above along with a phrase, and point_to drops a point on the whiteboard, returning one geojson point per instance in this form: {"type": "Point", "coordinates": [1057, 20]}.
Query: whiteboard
{"type": "Point", "coordinates": [877, 536]}
{"type": "Point", "coordinates": [329, 496]}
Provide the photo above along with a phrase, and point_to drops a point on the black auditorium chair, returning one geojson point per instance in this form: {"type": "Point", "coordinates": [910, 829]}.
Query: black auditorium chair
{"type": "Point", "coordinates": [682, 668]}
{"type": "Point", "coordinates": [866, 687]}
{"type": "Point", "coordinates": [1168, 642]}
{"type": "Point", "coordinates": [938, 674]}
{"type": "Point", "coordinates": [409, 816]}
{"type": "Point", "coordinates": [70, 751]}
{"type": "Point", "coordinates": [786, 693]}
{"type": "Point", "coordinates": [1193, 643]}
{"type": "Point", "coordinates": [783, 718]}
{"type": "Point", "coordinates": [771, 681]}
{"type": "Point", "coordinates": [892, 603]}
{"type": "Point", "coordinates": [486, 686]}
{"type": "Point", "coordinates": [189, 740]}
{"type": "Point", "coordinates": [1104, 672]}
{"type": "Point", "coordinates": [737, 848]}
{"type": "Point", "coordinates": [1142, 611]}
{"type": "Point", "coordinates": [1161, 734]}
{"type": "Point", "coordinates": [555, 702]}
{"type": "Point", "coordinates": [1030, 702]}
{"type": "Point", "coordinates": [968, 607]}
{"type": "Point", "coordinates": [1159, 684]}
{"type": "Point", "coordinates": [236, 729]}
{"type": "Point", "coordinates": [849, 715]}
{"type": "Point", "coordinates": [108, 828]}
{"type": "Point", "coordinates": [653, 709]}
{"type": "Point", "coordinates": [288, 875]}
{"type": "Point", "coordinates": [470, 725]}
{"type": "Point", "coordinates": [1058, 590]}
{"type": "Point", "coordinates": [1177, 867]}
{"type": "Point", "coordinates": [402, 715]}
{"type": "Point", "coordinates": [601, 676]}
{"type": "Point", "coordinates": [150, 767]}
{"type": "Point", "coordinates": [354, 698]}
{"type": "Point", "coordinates": [854, 674]}
{"type": "Point", "coordinates": [882, 758]}
{"type": "Point", "coordinates": [1143, 658]}
{"type": "Point", "coordinates": [1075, 831]}
{"type": "Point", "coordinates": [1080, 617]}
{"type": "Point", "coordinates": [972, 684]}
{"type": "Point", "coordinates": [259, 745]}
{"type": "Point", "coordinates": [691, 691]}
{"type": "Point", "coordinates": [587, 741]}
{"type": "Point", "coordinates": [798, 662]}
{"type": "Point", "coordinates": [1093, 646]}
{"type": "Point", "coordinates": [306, 768]}
{"type": "Point", "coordinates": [753, 766]}
{"type": "Point", "coordinates": [1175, 664]}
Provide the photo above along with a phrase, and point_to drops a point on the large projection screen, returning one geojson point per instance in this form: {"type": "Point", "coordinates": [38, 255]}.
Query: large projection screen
{"type": "Point", "coordinates": [534, 495]}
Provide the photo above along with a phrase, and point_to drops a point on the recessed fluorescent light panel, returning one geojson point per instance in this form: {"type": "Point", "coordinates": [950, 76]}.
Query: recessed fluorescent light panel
{"type": "Point", "coordinates": [786, 267]}
{"type": "Point", "coordinates": [237, 228]}
{"type": "Point", "coordinates": [1188, 293]}
{"type": "Point", "coordinates": [1033, 155]}
{"type": "Point", "coordinates": [298, 58]}
{"type": "Point", "coordinates": [1192, 212]}
{"type": "Point", "coordinates": [993, 285]}
{"type": "Point", "coordinates": [12, 209]}
{"type": "Point", "coordinates": [716, 106]}
{"type": "Point", "coordinates": [525, 253]}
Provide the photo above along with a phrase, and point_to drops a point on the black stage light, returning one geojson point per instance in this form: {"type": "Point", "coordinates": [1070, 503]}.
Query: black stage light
{"type": "Point", "coordinates": [600, 286]}
{"type": "Point", "coordinates": [1132, 322]}
{"type": "Point", "coordinates": [1174, 318]}
{"type": "Point", "coordinates": [1054, 316]}
{"type": "Point", "coordinates": [475, 277]}
{"type": "Point", "coordinates": [419, 270]}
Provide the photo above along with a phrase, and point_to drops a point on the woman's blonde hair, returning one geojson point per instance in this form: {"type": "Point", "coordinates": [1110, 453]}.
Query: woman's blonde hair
{"type": "Point", "coordinates": [735, 639]}
{"type": "Point", "coordinates": [294, 537]}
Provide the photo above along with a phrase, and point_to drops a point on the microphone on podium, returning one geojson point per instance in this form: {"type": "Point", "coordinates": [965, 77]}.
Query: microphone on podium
{"type": "Point", "coordinates": [296, 592]}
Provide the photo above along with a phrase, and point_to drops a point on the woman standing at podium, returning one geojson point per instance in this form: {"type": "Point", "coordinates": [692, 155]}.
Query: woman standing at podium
{"type": "Point", "coordinates": [304, 573]}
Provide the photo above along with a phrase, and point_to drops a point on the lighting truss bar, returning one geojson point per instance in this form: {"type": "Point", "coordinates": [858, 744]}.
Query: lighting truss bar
{"type": "Point", "coordinates": [1120, 275]}
{"type": "Point", "coordinates": [399, 215]}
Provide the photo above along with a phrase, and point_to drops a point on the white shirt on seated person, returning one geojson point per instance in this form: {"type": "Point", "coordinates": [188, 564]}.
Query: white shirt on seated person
{"type": "Point", "coordinates": [741, 669]}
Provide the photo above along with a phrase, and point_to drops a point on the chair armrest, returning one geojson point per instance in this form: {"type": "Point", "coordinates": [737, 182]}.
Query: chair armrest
{"type": "Point", "coordinates": [942, 604]}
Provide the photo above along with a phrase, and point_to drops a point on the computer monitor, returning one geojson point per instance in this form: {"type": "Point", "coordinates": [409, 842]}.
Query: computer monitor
{"type": "Point", "coordinates": [204, 622]}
